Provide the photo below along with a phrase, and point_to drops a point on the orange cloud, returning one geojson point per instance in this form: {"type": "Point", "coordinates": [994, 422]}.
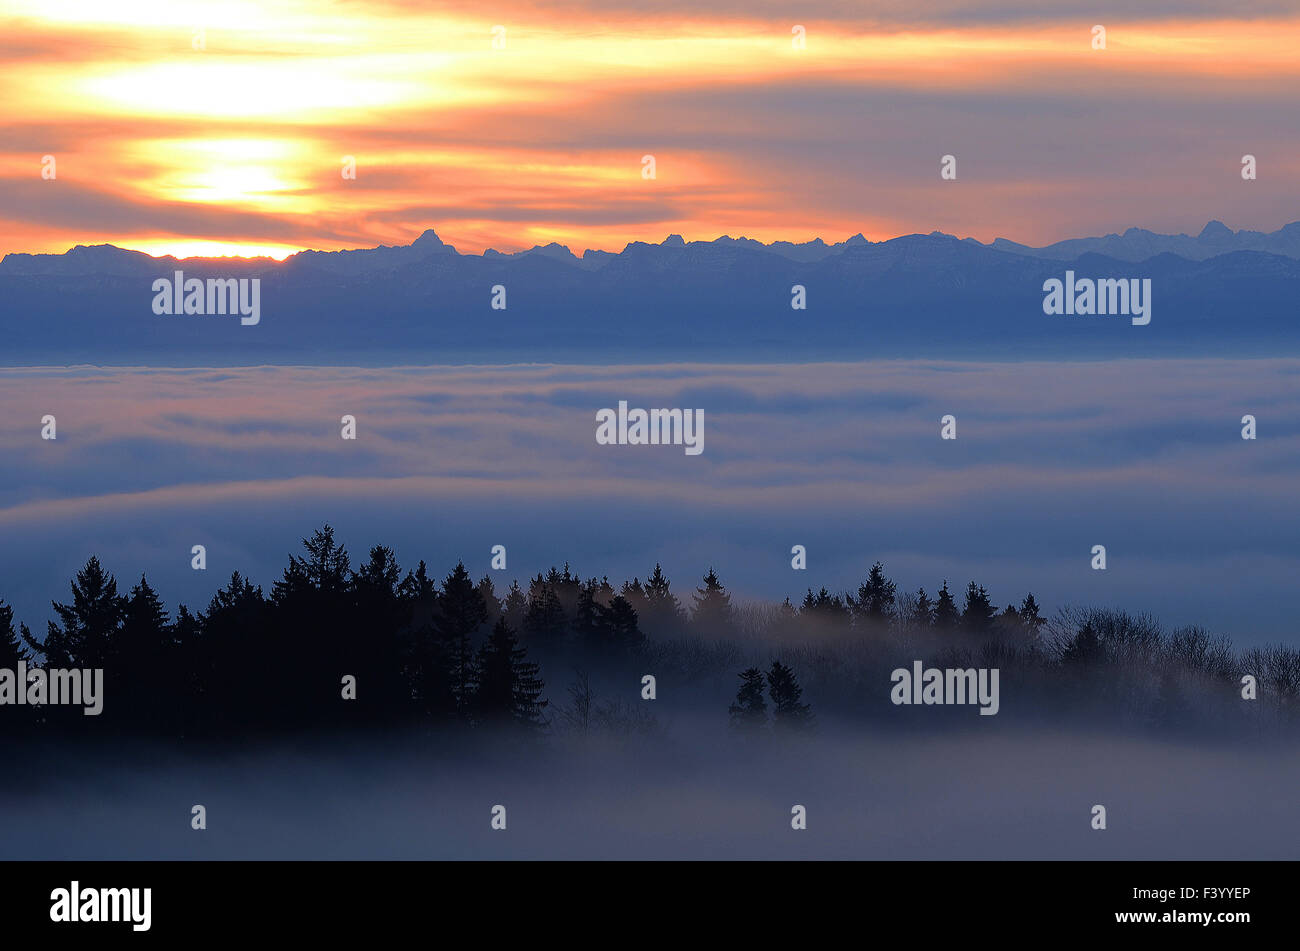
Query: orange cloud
{"type": "Point", "coordinates": [223, 127]}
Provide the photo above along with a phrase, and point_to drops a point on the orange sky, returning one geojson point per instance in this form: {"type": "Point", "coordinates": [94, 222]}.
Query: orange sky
{"type": "Point", "coordinates": [231, 140]}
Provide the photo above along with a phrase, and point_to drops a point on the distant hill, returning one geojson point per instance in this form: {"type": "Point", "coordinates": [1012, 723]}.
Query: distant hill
{"type": "Point", "coordinates": [928, 296]}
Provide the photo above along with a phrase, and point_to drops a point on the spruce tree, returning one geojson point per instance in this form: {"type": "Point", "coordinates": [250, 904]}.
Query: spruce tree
{"type": "Point", "coordinates": [86, 635]}
{"type": "Point", "coordinates": [380, 575]}
{"type": "Point", "coordinates": [663, 614]}
{"type": "Point", "coordinates": [978, 612]}
{"type": "Point", "coordinates": [784, 689]}
{"type": "Point", "coordinates": [461, 612]}
{"type": "Point", "coordinates": [946, 616]}
{"type": "Point", "coordinates": [588, 627]}
{"type": "Point", "coordinates": [922, 614]}
{"type": "Point", "coordinates": [634, 593]}
{"type": "Point", "coordinates": [326, 568]}
{"type": "Point", "coordinates": [488, 592]}
{"type": "Point", "coordinates": [619, 621]}
{"type": "Point", "coordinates": [876, 598]}
{"type": "Point", "coordinates": [1085, 647]}
{"type": "Point", "coordinates": [749, 712]}
{"type": "Point", "coordinates": [544, 620]}
{"type": "Point", "coordinates": [11, 646]}
{"type": "Point", "coordinates": [713, 614]}
{"type": "Point", "coordinates": [514, 606]}
{"type": "Point", "coordinates": [509, 688]}
{"type": "Point", "coordinates": [380, 660]}
{"type": "Point", "coordinates": [824, 610]}
{"type": "Point", "coordinates": [140, 677]}
{"type": "Point", "coordinates": [786, 614]}
{"type": "Point", "coordinates": [1029, 614]}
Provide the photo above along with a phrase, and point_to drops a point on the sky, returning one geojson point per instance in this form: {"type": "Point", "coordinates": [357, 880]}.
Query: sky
{"type": "Point", "coordinates": [201, 127]}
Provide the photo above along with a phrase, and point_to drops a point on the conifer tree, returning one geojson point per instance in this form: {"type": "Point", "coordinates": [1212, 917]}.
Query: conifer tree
{"type": "Point", "coordinates": [11, 647]}
{"type": "Point", "coordinates": [978, 612]}
{"type": "Point", "coordinates": [514, 606]}
{"type": "Point", "coordinates": [749, 712]}
{"type": "Point", "coordinates": [417, 586]}
{"type": "Point", "coordinates": [509, 688]}
{"type": "Point", "coordinates": [488, 592]}
{"type": "Point", "coordinates": [326, 568]}
{"type": "Point", "coordinates": [379, 661]}
{"type": "Point", "coordinates": [1029, 614]}
{"type": "Point", "coordinates": [587, 627]}
{"type": "Point", "coordinates": [784, 689]}
{"type": "Point", "coordinates": [544, 620]}
{"type": "Point", "coordinates": [876, 598]}
{"type": "Point", "coordinates": [786, 614]}
{"type": "Point", "coordinates": [663, 613]}
{"type": "Point", "coordinates": [946, 616]}
{"type": "Point", "coordinates": [633, 593]}
{"type": "Point", "coordinates": [824, 609]}
{"type": "Point", "coordinates": [619, 621]}
{"type": "Point", "coordinates": [140, 675]}
{"type": "Point", "coordinates": [922, 614]}
{"type": "Point", "coordinates": [1085, 647]}
{"type": "Point", "coordinates": [461, 612]}
{"type": "Point", "coordinates": [713, 614]}
{"type": "Point", "coordinates": [86, 635]}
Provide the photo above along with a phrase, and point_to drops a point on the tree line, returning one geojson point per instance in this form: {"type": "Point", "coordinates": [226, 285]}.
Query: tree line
{"type": "Point", "coordinates": [457, 653]}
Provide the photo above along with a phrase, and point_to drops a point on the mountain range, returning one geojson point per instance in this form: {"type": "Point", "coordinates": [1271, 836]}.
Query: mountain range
{"type": "Point", "coordinates": [923, 296]}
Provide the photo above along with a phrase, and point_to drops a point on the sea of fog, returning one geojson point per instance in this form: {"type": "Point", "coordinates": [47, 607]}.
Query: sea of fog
{"type": "Point", "coordinates": [1143, 457]}
{"type": "Point", "coordinates": [991, 793]}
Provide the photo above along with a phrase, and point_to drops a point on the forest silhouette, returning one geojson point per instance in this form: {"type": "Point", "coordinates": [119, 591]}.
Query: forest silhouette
{"type": "Point", "coordinates": [458, 655]}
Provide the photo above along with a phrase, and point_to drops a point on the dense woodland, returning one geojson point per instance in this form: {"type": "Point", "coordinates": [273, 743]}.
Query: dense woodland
{"type": "Point", "coordinates": [456, 654]}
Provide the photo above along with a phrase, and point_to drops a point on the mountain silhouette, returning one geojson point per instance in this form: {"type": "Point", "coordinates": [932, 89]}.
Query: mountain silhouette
{"type": "Point", "coordinates": [924, 296]}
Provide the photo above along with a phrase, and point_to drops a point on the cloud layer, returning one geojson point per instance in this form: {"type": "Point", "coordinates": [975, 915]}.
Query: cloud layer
{"type": "Point", "coordinates": [1144, 457]}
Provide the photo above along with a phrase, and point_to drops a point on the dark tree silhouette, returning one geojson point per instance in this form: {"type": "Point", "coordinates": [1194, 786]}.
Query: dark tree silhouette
{"type": "Point", "coordinates": [786, 613]}
{"type": "Point", "coordinates": [514, 605]}
{"type": "Point", "coordinates": [140, 677]}
{"type": "Point", "coordinates": [461, 612]}
{"type": "Point", "coordinates": [787, 711]}
{"type": "Point", "coordinates": [509, 688]}
{"type": "Point", "coordinates": [663, 613]}
{"type": "Point", "coordinates": [378, 664]}
{"type": "Point", "coordinates": [634, 593]}
{"type": "Point", "coordinates": [488, 592]}
{"type": "Point", "coordinates": [11, 646]}
{"type": "Point", "coordinates": [1029, 615]}
{"type": "Point", "coordinates": [588, 626]}
{"type": "Point", "coordinates": [448, 656]}
{"type": "Point", "coordinates": [87, 634]}
{"type": "Point", "coordinates": [946, 617]}
{"type": "Point", "coordinates": [824, 611]}
{"type": "Point", "coordinates": [325, 568]}
{"type": "Point", "coordinates": [713, 613]}
{"type": "Point", "coordinates": [312, 631]}
{"type": "Point", "coordinates": [619, 627]}
{"type": "Point", "coordinates": [749, 712]}
{"type": "Point", "coordinates": [236, 635]}
{"type": "Point", "coordinates": [978, 613]}
{"type": "Point", "coordinates": [922, 613]}
{"type": "Point", "coordinates": [875, 602]}
{"type": "Point", "coordinates": [545, 620]}
{"type": "Point", "coordinates": [1085, 648]}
